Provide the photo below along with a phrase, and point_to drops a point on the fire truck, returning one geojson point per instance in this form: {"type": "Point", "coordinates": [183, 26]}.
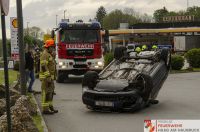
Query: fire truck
{"type": "Point", "coordinates": [78, 48]}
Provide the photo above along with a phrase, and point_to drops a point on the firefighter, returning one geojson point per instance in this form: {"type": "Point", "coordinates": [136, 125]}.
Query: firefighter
{"type": "Point", "coordinates": [144, 48]}
{"type": "Point", "coordinates": [138, 49]}
{"type": "Point", "coordinates": [47, 76]}
{"type": "Point", "coordinates": [154, 47]}
{"type": "Point", "coordinates": [37, 61]}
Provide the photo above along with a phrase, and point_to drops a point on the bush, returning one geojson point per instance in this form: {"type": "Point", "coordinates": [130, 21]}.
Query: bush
{"type": "Point", "coordinates": [108, 58]}
{"type": "Point", "coordinates": [193, 57]}
{"type": "Point", "coordinates": [177, 62]}
{"type": "Point", "coordinates": [16, 66]}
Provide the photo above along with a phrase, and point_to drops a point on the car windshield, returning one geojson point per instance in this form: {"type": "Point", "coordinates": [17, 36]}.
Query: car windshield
{"type": "Point", "coordinates": [79, 36]}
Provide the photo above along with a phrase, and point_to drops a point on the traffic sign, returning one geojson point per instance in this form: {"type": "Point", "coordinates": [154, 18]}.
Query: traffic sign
{"type": "Point", "coordinates": [14, 38]}
{"type": "Point", "coordinates": [5, 6]}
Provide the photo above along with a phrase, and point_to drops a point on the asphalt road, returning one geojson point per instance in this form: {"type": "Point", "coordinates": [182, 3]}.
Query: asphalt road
{"type": "Point", "coordinates": [179, 99]}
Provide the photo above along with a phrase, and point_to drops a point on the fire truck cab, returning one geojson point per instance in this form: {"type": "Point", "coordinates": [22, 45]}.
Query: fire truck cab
{"type": "Point", "coordinates": [78, 49]}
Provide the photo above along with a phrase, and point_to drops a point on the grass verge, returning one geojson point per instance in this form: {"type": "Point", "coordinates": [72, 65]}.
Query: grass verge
{"type": "Point", "coordinates": [12, 76]}
{"type": "Point", "coordinates": [36, 118]}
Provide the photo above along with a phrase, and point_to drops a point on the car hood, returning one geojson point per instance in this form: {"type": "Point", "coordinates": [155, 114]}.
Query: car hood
{"type": "Point", "coordinates": [111, 85]}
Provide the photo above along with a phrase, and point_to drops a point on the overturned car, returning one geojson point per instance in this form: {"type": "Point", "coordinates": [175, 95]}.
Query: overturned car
{"type": "Point", "coordinates": [130, 82]}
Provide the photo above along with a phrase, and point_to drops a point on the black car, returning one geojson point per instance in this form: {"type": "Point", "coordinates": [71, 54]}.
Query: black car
{"type": "Point", "coordinates": [130, 82]}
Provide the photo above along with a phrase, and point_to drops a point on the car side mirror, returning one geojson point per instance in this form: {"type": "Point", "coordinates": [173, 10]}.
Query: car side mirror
{"type": "Point", "coordinates": [106, 36]}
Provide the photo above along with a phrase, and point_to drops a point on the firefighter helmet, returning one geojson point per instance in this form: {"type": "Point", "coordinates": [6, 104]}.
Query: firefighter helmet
{"type": "Point", "coordinates": [49, 43]}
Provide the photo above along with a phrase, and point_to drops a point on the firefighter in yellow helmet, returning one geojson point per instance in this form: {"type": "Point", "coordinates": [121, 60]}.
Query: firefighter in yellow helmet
{"type": "Point", "coordinates": [138, 49]}
{"type": "Point", "coordinates": [144, 47]}
{"type": "Point", "coordinates": [47, 76]}
{"type": "Point", "coordinates": [154, 47]}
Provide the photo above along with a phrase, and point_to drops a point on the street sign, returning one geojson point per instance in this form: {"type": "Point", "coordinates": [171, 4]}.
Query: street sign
{"type": "Point", "coordinates": [5, 6]}
{"type": "Point", "coordinates": [14, 38]}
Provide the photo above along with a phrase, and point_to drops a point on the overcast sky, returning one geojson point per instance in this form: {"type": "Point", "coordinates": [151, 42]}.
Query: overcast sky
{"type": "Point", "coordinates": [42, 13]}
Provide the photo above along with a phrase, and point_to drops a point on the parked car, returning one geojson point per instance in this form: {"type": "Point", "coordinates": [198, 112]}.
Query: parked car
{"type": "Point", "coordinates": [130, 82]}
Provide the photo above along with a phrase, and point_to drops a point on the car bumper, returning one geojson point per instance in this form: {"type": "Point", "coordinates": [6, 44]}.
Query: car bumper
{"type": "Point", "coordinates": [112, 100]}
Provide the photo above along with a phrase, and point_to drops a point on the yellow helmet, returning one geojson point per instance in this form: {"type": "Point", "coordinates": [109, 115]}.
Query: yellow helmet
{"type": "Point", "coordinates": [154, 47]}
{"type": "Point", "coordinates": [144, 47]}
{"type": "Point", "coordinates": [138, 49]}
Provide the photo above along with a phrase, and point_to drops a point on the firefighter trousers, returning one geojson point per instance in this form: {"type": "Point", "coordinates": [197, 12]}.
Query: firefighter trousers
{"type": "Point", "coordinates": [47, 89]}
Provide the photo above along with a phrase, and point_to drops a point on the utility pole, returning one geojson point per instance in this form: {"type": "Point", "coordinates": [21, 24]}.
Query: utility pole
{"type": "Point", "coordinates": [56, 20]}
{"type": "Point", "coordinates": [187, 4]}
{"type": "Point", "coordinates": [3, 24]}
{"type": "Point", "coordinates": [21, 47]}
{"type": "Point", "coordinates": [64, 13]}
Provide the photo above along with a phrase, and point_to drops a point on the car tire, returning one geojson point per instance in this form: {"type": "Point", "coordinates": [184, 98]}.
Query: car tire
{"type": "Point", "coordinates": [147, 87]}
{"type": "Point", "coordinates": [166, 57]}
{"type": "Point", "coordinates": [61, 77]}
{"type": "Point", "coordinates": [90, 79]}
{"type": "Point", "coordinates": [119, 52]}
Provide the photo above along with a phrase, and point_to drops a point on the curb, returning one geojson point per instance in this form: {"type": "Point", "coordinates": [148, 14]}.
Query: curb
{"type": "Point", "coordinates": [45, 129]}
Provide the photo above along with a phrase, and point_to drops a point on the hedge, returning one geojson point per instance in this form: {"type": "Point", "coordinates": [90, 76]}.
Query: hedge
{"type": "Point", "coordinates": [16, 66]}
{"type": "Point", "coordinates": [177, 62]}
{"type": "Point", "coordinates": [108, 58]}
{"type": "Point", "coordinates": [193, 57]}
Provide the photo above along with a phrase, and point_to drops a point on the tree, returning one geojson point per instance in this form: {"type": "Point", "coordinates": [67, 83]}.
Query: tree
{"type": "Point", "coordinates": [113, 19]}
{"type": "Point", "coordinates": [145, 18]}
{"type": "Point", "coordinates": [195, 10]}
{"type": "Point", "coordinates": [172, 13]}
{"type": "Point", "coordinates": [159, 14]}
{"type": "Point", "coordinates": [33, 32]}
{"type": "Point", "coordinates": [100, 14]}
{"type": "Point", "coordinates": [28, 40]}
{"type": "Point", "coordinates": [32, 36]}
{"type": "Point", "coordinates": [128, 15]}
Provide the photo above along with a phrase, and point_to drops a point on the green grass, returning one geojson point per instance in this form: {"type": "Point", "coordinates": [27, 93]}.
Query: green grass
{"type": "Point", "coordinates": [38, 121]}
{"type": "Point", "coordinates": [12, 76]}
{"type": "Point", "coordinates": [36, 118]}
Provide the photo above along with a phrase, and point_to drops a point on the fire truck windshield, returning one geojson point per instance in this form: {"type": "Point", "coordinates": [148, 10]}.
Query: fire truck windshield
{"type": "Point", "coordinates": [79, 36]}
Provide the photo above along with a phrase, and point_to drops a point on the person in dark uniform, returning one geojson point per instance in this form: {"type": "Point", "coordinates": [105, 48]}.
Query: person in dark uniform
{"type": "Point", "coordinates": [29, 66]}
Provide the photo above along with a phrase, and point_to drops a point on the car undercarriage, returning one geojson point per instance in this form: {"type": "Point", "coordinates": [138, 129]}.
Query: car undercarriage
{"type": "Point", "coordinates": [130, 82]}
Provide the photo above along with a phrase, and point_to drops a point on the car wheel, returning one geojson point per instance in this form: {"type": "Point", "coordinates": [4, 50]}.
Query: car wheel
{"type": "Point", "coordinates": [90, 79]}
{"type": "Point", "coordinates": [119, 52]}
{"type": "Point", "coordinates": [145, 85]}
{"type": "Point", "coordinates": [61, 77]}
{"type": "Point", "coordinates": [166, 57]}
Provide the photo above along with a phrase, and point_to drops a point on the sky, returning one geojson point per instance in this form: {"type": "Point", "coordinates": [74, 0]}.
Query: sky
{"type": "Point", "coordinates": [42, 13]}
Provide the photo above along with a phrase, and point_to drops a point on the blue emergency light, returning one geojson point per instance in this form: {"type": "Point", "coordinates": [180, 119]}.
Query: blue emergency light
{"type": "Point", "coordinates": [93, 25]}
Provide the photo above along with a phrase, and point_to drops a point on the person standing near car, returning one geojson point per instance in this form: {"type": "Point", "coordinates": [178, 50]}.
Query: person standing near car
{"type": "Point", "coordinates": [37, 61]}
{"type": "Point", "coordinates": [29, 66]}
{"type": "Point", "coordinates": [47, 76]}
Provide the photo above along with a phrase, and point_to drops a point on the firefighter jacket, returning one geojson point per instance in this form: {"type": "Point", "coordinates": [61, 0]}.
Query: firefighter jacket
{"type": "Point", "coordinates": [47, 65]}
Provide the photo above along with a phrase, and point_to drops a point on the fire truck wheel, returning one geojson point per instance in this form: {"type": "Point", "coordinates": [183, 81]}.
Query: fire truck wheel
{"type": "Point", "coordinates": [61, 78]}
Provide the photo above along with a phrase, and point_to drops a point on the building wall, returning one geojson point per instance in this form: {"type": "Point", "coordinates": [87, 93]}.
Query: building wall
{"type": "Point", "coordinates": [192, 42]}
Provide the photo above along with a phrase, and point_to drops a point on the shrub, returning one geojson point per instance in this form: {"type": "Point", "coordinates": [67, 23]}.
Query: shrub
{"type": "Point", "coordinates": [193, 57]}
{"type": "Point", "coordinates": [108, 58]}
{"type": "Point", "coordinates": [16, 66]}
{"type": "Point", "coordinates": [177, 62]}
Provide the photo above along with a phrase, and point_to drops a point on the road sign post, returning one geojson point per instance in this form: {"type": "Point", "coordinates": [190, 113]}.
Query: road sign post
{"type": "Point", "coordinates": [4, 11]}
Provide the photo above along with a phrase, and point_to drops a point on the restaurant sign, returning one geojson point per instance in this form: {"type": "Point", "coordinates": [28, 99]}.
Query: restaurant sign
{"type": "Point", "coordinates": [179, 18]}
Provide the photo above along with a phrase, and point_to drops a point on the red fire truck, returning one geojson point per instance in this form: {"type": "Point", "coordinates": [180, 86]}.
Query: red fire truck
{"type": "Point", "coordinates": [78, 48]}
